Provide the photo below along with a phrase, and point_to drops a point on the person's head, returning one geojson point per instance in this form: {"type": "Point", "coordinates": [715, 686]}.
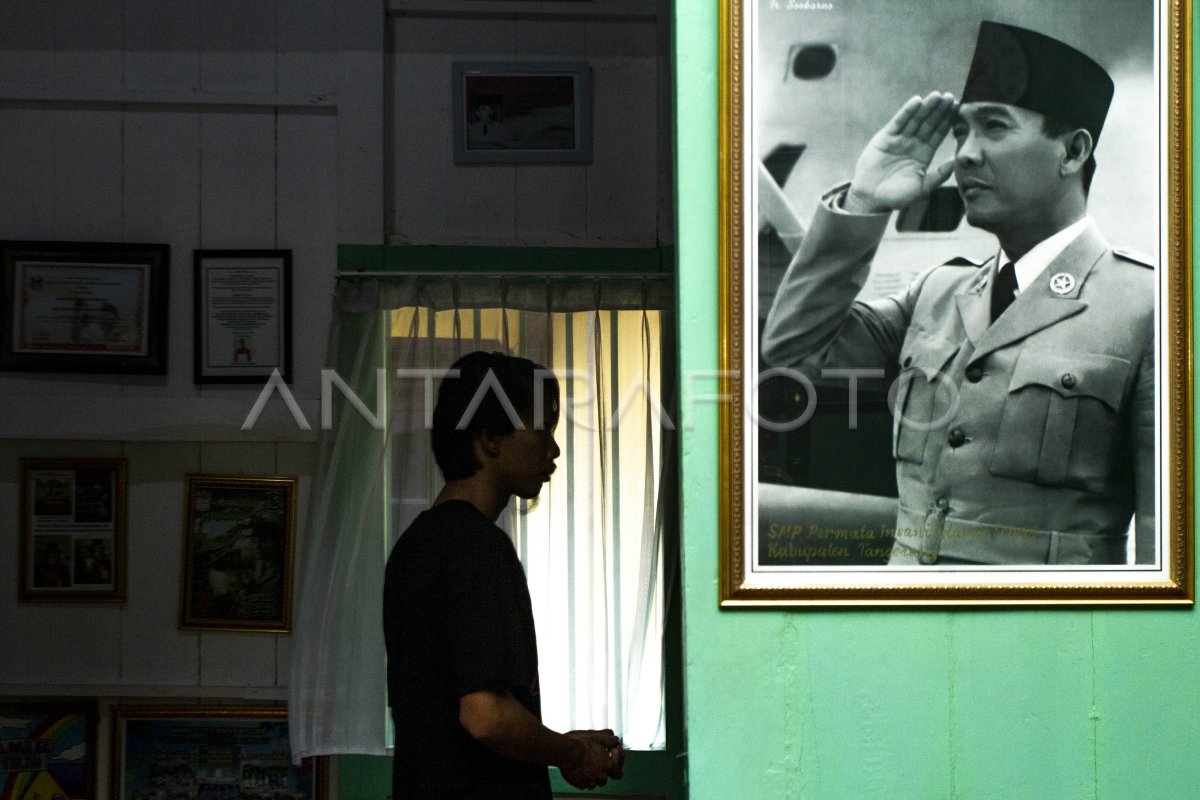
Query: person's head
{"type": "Point", "coordinates": [488, 397]}
{"type": "Point", "coordinates": [1030, 117]}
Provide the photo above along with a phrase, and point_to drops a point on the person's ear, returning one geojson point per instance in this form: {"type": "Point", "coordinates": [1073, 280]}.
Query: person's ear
{"type": "Point", "coordinates": [1078, 147]}
{"type": "Point", "coordinates": [489, 444]}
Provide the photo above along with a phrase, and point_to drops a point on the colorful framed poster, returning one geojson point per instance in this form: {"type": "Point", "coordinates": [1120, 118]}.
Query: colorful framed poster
{"type": "Point", "coordinates": [47, 750]}
{"type": "Point", "coordinates": [522, 111]}
{"type": "Point", "coordinates": [243, 315]}
{"type": "Point", "coordinates": [209, 752]}
{"type": "Point", "coordinates": [84, 307]}
{"type": "Point", "coordinates": [901, 430]}
{"type": "Point", "coordinates": [73, 524]}
{"type": "Point", "coordinates": [239, 536]}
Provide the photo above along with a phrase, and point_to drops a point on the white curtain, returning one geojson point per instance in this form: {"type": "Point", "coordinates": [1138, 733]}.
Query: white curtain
{"type": "Point", "coordinates": [592, 544]}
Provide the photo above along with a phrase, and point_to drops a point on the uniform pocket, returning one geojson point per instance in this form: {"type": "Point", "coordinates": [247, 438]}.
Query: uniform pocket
{"type": "Point", "coordinates": [1061, 420]}
{"type": "Point", "coordinates": [919, 407]}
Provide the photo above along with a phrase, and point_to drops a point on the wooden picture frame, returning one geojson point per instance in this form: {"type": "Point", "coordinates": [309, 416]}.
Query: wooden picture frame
{"type": "Point", "coordinates": [209, 751]}
{"type": "Point", "coordinates": [522, 111]}
{"type": "Point", "coordinates": [48, 749]}
{"type": "Point", "coordinates": [810, 511]}
{"type": "Point", "coordinates": [242, 314]}
{"type": "Point", "coordinates": [74, 518]}
{"type": "Point", "coordinates": [239, 539]}
{"type": "Point", "coordinates": [97, 307]}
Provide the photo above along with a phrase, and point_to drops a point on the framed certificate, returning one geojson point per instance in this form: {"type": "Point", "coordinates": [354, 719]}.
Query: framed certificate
{"type": "Point", "coordinates": [84, 307]}
{"type": "Point", "coordinates": [243, 315]}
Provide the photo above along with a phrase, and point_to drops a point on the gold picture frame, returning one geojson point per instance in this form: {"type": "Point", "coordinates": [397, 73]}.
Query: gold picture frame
{"type": "Point", "coordinates": [239, 543]}
{"type": "Point", "coordinates": [803, 86]}
{"type": "Point", "coordinates": [216, 750]}
{"type": "Point", "coordinates": [74, 517]}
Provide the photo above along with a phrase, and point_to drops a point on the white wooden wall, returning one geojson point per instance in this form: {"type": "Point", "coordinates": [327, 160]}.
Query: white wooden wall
{"type": "Point", "coordinates": [622, 198]}
{"type": "Point", "coordinates": [224, 124]}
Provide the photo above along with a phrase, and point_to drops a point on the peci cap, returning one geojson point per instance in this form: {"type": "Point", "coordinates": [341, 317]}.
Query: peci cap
{"type": "Point", "coordinates": [1023, 68]}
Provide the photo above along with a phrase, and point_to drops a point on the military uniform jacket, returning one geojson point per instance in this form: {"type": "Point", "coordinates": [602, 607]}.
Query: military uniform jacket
{"type": "Point", "coordinates": [1027, 441]}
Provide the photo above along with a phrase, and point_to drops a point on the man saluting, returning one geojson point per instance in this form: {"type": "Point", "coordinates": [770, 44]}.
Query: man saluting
{"type": "Point", "coordinates": [1024, 385]}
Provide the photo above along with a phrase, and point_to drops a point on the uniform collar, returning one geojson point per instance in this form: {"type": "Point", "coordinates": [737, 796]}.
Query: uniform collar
{"type": "Point", "coordinates": [1030, 265]}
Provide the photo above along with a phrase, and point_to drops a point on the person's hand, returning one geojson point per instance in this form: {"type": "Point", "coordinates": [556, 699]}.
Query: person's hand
{"type": "Point", "coordinates": [893, 169]}
{"type": "Point", "coordinates": [600, 757]}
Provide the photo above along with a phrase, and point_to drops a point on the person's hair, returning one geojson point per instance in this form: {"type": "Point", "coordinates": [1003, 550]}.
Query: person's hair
{"type": "Point", "coordinates": [456, 425]}
{"type": "Point", "coordinates": [1055, 127]}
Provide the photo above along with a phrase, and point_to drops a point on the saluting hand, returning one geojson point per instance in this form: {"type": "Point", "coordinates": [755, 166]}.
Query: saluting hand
{"type": "Point", "coordinates": [893, 170]}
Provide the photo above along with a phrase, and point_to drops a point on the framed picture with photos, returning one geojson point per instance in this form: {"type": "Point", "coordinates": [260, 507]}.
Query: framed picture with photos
{"type": "Point", "coordinates": [73, 527]}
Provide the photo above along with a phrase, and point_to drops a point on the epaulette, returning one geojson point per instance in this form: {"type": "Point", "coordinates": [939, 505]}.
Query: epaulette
{"type": "Point", "coordinates": [1141, 259]}
{"type": "Point", "coordinates": [963, 261]}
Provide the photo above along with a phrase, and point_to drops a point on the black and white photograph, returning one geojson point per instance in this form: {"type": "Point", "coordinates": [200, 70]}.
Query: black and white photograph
{"type": "Point", "coordinates": [522, 111]}
{"type": "Point", "coordinates": [953, 241]}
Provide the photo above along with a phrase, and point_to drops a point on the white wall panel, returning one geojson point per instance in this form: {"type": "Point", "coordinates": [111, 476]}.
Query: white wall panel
{"type": "Point", "coordinates": [237, 179]}
{"type": "Point", "coordinates": [154, 651]}
{"type": "Point", "coordinates": [237, 42]}
{"type": "Point", "coordinates": [623, 182]}
{"type": "Point", "coordinates": [612, 201]}
{"type": "Point", "coordinates": [27, 204]}
{"type": "Point", "coordinates": [162, 45]}
{"type": "Point", "coordinates": [88, 42]}
{"type": "Point", "coordinates": [307, 153]}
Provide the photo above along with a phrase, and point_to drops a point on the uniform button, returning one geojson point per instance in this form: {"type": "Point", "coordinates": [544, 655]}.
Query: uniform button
{"type": "Point", "coordinates": [956, 437]}
{"type": "Point", "coordinates": [974, 373]}
{"type": "Point", "coordinates": [1068, 381]}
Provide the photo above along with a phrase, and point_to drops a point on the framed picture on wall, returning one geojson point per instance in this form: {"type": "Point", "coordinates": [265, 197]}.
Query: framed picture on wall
{"type": "Point", "coordinates": [84, 307]}
{"type": "Point", "coordinates": [48, 750]}
{"type": "Point", "coordinates": [242, 315]}
{"type": "Point", "coordinates": [239, 537]}
{"type": "Point", "coordinates": [73, 525]}
{"type": "Point", "coordinates": [214, 751]}
{"type": "Point", "coordinates": [955, 304]}
{"type": "Point", "coordinates": [514, 111]}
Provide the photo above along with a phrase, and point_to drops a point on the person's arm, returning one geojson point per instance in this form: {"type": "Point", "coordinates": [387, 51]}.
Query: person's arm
{"type": "Point", "coordinates": [814, 322]}
{"type": "Point", "coordinates": [498, 721]}
{"type": "Point", "coordinates": [1146, 539]}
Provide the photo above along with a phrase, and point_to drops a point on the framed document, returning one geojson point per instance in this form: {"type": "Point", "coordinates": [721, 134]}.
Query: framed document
{"type": "Point", "coordinates": [73, 523]}
{"type": "Point", "coordinates": [239, 536]}
{"type": "Point", "coordinates": [906, 426]}
{"type": "Point", "coordinates": [84, 307]}
{"type": "Point", "coordinates": [48, 750]}
{"type": "Point", "coordinates": [243, 315]}
{"type": "Point", "coordinates": [514, 111]}
{"type": "Point", "coordinates": [209, 751]}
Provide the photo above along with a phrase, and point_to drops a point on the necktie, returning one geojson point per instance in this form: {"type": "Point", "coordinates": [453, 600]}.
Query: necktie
{"type": "Point", "coordinates": [1004, 290]}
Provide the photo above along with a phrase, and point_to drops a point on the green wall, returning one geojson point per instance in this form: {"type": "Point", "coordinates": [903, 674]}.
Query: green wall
{"type": "Point", "coordinates": [904, 705]}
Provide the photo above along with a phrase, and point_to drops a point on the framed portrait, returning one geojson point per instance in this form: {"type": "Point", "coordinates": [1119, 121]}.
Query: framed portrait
{"type": "Point", "coordinates": [239, 537]}
{"type": "Point", "coordinates": [84, 307]}
{"type": "Point", "coordinates": [73, 525]}
{"type": "Point", "coordinates": [48, 750]}
{"type": "Point", "coordinates": [955, 319]}
{"type": "Point", "coordinates": [214, 751]}
{"type": "Point", "coordinates": [243, 315]}
{"type": "Point", "coordinates": [514, 111]}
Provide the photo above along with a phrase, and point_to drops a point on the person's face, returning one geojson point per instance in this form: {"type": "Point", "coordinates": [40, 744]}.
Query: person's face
{"type": "Point", "coordinates": [526, 460]}
{"type": "Point", "coordinates": [1008, 171]}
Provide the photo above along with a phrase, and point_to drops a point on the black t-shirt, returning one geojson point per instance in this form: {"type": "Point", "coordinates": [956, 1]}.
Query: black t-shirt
{"type": "Point", "coordinates": [457, 618]}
